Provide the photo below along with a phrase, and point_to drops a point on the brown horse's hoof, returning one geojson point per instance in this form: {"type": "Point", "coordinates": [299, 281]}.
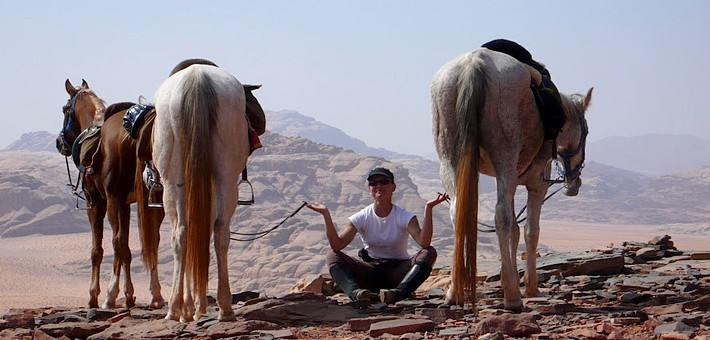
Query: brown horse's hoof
{"type": "Point", "coordinates": [130, 301]}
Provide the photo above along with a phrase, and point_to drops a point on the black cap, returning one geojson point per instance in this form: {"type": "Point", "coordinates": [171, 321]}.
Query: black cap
{"type": "Point", "coordinates": [381, 171]}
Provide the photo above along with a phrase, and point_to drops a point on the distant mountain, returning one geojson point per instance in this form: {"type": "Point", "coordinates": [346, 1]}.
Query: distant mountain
{"type": "Point", "coordinates": [652, 154]}
{"type": "Point", "coordinates": [34, 141]}
{"type": "Point", "coordinates": [292, 123]}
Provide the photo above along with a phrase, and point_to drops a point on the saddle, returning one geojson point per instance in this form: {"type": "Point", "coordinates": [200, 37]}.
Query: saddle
{"type": "Point", "coordinates": [547, 97]}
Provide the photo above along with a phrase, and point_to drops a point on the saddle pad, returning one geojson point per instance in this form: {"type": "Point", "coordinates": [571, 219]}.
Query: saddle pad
{"type": "Point", "coordinates": [134, 118]}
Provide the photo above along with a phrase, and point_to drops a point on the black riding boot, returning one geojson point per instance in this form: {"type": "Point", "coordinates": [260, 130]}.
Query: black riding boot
{"type": "Point", "coordinates": [414, 278]}
{"type": "Point", "coordinates": [345, 280]}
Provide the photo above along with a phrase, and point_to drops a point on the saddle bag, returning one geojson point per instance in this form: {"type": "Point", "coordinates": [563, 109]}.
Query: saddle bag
{"type": "Point", "coordinates": [85, 147]}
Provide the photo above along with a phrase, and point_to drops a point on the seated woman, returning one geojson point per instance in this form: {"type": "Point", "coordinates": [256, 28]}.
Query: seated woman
{"type": "Point", "coordinates": [384, 229]}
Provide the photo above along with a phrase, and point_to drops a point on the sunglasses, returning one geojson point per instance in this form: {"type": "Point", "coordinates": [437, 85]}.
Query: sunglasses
{"type": "Point", "coordinates": [375, 182]}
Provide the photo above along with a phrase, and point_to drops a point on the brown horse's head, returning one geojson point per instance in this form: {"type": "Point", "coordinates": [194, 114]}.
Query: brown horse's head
{"type": "Point", "coordinates": [83, 109]}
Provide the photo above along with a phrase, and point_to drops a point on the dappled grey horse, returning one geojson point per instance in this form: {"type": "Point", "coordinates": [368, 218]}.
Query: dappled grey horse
{"type": "Point", "coordinates": [485, 120]}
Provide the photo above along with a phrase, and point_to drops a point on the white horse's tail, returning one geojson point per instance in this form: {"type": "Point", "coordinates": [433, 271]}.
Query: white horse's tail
{"type": "Point", "coordinates": [197, 120]}
{"type": "Point", "coordinates": [472, 88]}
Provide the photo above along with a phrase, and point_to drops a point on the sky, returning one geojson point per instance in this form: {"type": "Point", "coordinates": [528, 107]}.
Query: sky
{"type": "Point", "coordinates": [363, 66]}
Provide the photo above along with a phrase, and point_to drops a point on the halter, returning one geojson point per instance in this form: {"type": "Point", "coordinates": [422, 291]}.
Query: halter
{"type": "Point", "coordinates": [567, 155]}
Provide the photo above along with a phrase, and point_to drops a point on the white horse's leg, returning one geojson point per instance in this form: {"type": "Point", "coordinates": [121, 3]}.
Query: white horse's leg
{"type": "Point", "coordinates": [450, 299]}
{"type": "Point", "coordinates": [174, 208]}
{"type": "Point", "coordinates": [504, 217]}
{"type": "Point", "coordinates": [536, 195]}
{"type": "Point", "coordinates": [227, 196]}
{"type": "Point", "coordinates": [514, 235]}
{"type": "Point", "coordinates": [188, 306]}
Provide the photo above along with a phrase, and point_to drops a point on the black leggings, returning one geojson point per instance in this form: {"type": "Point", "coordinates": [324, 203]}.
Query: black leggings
{"type": "Point", "coordinates": [380, 274]}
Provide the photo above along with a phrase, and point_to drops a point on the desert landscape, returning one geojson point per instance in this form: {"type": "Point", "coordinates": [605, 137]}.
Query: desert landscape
{"type": "Point", "coordinates": [42, 271]}
{"type": "Point", "coordinates": [45, 242]}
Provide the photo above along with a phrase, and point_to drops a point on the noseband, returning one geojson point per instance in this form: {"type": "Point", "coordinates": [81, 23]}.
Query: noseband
{"type": "Point", "coordinates": [567, 155]}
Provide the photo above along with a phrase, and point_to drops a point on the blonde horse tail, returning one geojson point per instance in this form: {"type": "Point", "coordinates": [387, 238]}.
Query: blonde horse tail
{"type": "Point", "coordinates": [198, 111]}
{"type": "Point", "coordinates": [471, 95]}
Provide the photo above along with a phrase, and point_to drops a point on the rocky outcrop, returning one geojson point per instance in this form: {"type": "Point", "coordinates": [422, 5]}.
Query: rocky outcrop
{"type": "Point", "coordinates": [664, 297]}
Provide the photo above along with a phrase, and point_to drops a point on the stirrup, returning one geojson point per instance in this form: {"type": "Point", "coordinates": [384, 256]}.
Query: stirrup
{"type": "Point", "coordinates": [151, 179]}
{"type": "Point", "coordinates": [155, 191]}
{"type": "Point", "coordinates": [250, 190]}
{"type": "Point", "coordinates": [556, 175]}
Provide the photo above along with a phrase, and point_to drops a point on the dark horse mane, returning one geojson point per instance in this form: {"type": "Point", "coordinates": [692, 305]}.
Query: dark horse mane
{"type": "Point", "coordinates": [187, 62]}
{"type": "Point", "coordinates": [117, 107]}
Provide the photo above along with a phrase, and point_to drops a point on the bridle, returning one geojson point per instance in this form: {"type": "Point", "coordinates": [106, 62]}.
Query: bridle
{"type": "Point", "coordinates": [69, 116]}
{"type": "Point", "coordinates": [567, 155]}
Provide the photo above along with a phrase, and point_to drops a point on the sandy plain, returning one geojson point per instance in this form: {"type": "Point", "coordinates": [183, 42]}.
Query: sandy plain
{"type": "Point", "coordinates": [54, 271]}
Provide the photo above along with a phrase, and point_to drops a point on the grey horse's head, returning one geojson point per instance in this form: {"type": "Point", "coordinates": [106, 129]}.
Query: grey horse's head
{"type": "Point", "coordinates": [572, 140]}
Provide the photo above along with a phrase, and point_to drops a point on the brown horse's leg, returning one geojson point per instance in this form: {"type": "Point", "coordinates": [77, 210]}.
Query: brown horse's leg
{"type": "Point", "coordinates": [96, 219]}
{"type": "Point", "coordinates": [125, 253]}
{"type": "Point", "coordinates": [118, 215]}
{"type": "Point", "coordinates": [149, 220]}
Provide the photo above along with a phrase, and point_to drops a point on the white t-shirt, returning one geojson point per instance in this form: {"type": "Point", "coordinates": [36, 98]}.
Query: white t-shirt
{"type": "Point", "coordinates": [383, 237]}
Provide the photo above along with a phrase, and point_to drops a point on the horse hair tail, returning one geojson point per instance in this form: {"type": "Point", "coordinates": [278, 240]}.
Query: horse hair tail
{"type": "Point", "coordinates": [198, 110]}
{"type": "Point", "coordinates": [472, 89]}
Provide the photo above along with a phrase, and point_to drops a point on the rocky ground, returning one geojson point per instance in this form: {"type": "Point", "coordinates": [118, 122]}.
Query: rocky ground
{"type": "Point", "coordinates": [643, 290]}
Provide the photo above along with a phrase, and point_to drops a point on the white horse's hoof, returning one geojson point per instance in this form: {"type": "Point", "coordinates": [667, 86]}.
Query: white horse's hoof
{"type": "Point", "coordinates": [228, 315]}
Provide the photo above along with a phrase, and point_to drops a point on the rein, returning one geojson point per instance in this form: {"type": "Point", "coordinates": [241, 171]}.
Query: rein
{"type": "Point", "coordinates": [73, 187]}
{"type": "Point", "coordinates": [260, 234]}
{"type": "Point", "coordinates": [517, 217]}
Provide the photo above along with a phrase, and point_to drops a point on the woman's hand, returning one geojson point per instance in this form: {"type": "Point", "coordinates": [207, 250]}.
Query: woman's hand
{"type": "Point", "coordinates": [318, 207]}
{"type": "Point", "coordinates": [439, 198]}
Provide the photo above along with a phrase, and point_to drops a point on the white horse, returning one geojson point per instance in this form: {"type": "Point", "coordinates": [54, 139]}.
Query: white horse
{"type": "Point", "coordinates": [485, 120]}
{"type": "Point", "coordinates": [200, 145]}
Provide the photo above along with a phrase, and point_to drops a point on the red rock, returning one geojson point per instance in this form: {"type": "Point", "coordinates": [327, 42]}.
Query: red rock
{"type": "Point", "coordinates": [401, 326]}
{"type": "Point", "coordinates": [363, 324]}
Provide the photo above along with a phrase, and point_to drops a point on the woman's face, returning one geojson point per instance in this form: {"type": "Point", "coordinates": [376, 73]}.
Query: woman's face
{"type": "Point", "coordinates": [381, 187]}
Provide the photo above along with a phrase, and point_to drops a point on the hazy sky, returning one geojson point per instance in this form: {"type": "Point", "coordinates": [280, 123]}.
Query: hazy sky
{"type": "Point", "coordinates": [364, 67]}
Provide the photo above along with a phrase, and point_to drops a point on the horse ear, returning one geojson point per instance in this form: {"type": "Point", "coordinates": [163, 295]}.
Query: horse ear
{"type": "Point", "coordinates": [588, 99]}
{"type": "Point", "coordinates": [142, 100]}
{"type": "Point", "coordinates": [248, 87]}
{"type": "Point", "coordinates": [84, 84]}
{"type": "Point", "coordinates": [71, 90]}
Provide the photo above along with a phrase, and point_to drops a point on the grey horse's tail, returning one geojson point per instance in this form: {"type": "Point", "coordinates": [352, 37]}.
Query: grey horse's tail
{"type": "Point", "coordinates": [472, 91]}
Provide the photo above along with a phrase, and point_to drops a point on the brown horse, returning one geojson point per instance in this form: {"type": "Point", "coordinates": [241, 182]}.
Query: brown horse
{"type": "Point", "coordinates": [112, 181]}
{"type": "Point", "coordinates": [485, 120]}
